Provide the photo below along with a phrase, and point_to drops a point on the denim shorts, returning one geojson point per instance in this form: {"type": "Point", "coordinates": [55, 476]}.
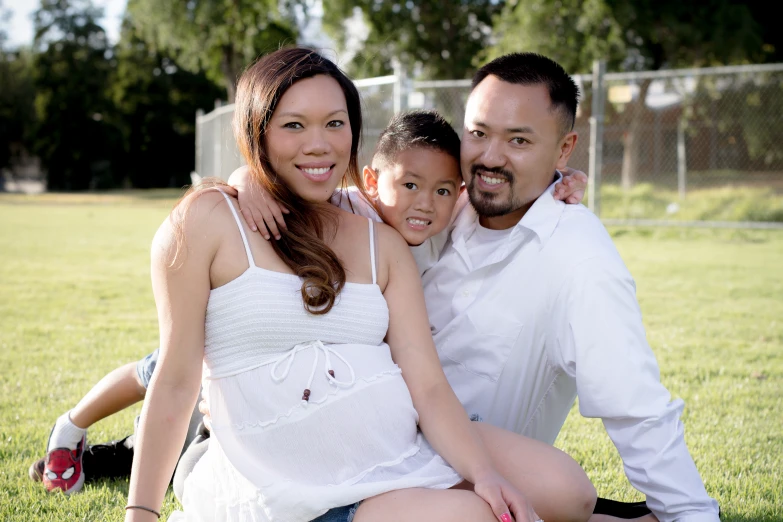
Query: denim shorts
{"type": "Point", "coordinates": [340, 514]}
{"type": "Point", "coordinates": [145, 367]}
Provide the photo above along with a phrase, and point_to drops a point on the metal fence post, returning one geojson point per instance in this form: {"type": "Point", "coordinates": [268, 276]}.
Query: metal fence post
{"type": "Point", "coordinates": [681, 158]}
{"type": "Point", "coordinates": [217, 144]}
{"type": "Point", "coordinates": [199, 138]}
{"type": "Point", "coordinates": [596, 137]}
{"type": "Point", "coordinates": [401, 86]}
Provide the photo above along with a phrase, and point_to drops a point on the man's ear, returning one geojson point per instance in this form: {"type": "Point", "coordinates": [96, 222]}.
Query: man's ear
{"type": "Point", "coordinates": [567, 145]}
{"type": "Point", "coordinates": [370, 181]}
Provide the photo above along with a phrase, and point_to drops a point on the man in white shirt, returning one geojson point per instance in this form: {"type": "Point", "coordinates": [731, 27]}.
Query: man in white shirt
{"type": "Point", "coordinates": [530, 304]}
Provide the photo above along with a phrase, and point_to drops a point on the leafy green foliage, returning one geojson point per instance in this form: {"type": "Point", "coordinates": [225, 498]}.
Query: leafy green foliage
{"type": "Point", "coordinates": [156, 103]}
{"type": "Point", "coordinates": [74, 137]}
{"type": "Point", "coordinates": [631, 34]}
{"type": "Point", "coordinates": [220, 37]}
{"type": "Point", "coordinates": [673, 33]}
{"type": "Point", "coordinates": [16, 103]}
{"type": "Point", "coordinates": [574, 33]}
{"type": "Point", "coordinates": [99, 116]}
{"type": "Point", "coordinates": [440, 39]}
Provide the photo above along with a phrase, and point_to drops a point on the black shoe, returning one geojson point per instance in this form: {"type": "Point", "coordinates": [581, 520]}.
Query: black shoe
{"type": "Point", "coordinates": [111, 460]}
{"type": "Point", "coordinates": [202, 433]}
{"type": "Point", "coordinates": [624, 510]}
{"type": "Point", "coordinates": [36, 470]}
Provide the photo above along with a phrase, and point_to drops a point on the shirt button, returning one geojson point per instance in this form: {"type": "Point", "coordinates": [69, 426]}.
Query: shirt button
{"type": "Point", "coordinates": [466, 293]}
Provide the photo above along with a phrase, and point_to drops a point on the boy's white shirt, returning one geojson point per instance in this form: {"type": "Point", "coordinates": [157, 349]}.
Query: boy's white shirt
{"type": "Point", "coordinates": [426, 254]}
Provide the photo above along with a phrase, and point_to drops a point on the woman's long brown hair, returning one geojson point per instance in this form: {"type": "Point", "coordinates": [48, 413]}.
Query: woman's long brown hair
{"type": "Point", "coordinates": [302, 246]}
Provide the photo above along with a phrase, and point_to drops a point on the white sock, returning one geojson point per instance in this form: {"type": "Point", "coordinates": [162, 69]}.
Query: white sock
{"type": "Point", "coordinates": [65, 434]}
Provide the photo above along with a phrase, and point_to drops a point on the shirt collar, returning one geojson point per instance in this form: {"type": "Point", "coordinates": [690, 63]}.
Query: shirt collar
{"type": "Point", "coordinates": [541, 218]}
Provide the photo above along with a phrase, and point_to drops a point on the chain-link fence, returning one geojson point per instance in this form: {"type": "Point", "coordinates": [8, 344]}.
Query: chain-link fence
{"type": "Point", "coordinates": [694, 146]}
{"type": "Point", "coordinates": [690, 145]}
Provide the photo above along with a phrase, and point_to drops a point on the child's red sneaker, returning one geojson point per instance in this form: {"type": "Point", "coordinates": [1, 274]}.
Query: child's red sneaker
{"type": "Point", "coordinates": [63, 469]}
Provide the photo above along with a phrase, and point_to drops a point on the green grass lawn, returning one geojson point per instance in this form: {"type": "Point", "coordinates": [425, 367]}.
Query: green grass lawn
{"type": "Point", "coordinates": [722, 203]}
{"type": "Point", "coordinates": [75, 302]}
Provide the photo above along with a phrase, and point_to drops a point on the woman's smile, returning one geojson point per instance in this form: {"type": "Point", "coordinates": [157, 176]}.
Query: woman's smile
{"type": "Point", "coordinates": [317, 172]}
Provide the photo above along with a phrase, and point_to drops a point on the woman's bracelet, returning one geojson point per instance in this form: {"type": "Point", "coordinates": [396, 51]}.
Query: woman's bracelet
{"type": "Point", "coordinates": [143, 509]}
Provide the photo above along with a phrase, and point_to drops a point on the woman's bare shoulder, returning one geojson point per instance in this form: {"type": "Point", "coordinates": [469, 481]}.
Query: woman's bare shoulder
{"type": "Point", "coordinates": [196, 224]}
{"type": "Point", "coordinates": [390, 239]}
{"type": "Point", "coordinates": [394, 253]}
{"type": "Point", "coordinates": [387, 236]}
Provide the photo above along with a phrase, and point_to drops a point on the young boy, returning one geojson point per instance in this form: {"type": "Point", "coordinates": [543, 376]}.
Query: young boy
{"type": "Point", "coordinates": [414, 182]}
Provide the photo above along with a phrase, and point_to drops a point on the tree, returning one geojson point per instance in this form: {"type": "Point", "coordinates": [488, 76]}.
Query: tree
{"type": "Point", "coordinates": [16, 98]}
{"type": "Point", "coordinates": [156, 103]}
{"type": "Point", "coordinates": [572, 32]}
{"type": "Point", "coordinates": [220, 37]}
{"type": "Point", "coordinates": [5, 14]}
{"type": "Point", "coordinates": [75, 140]}
{"type": "Point", "coordinates": [17, 113]}
{"type": "Point", "coordinates": [632, 35]}
{"type": "Point", "coordinates": [439, 39]}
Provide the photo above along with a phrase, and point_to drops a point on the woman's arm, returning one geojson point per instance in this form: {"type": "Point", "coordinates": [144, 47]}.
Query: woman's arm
{"type": "Point", "coordinates": [260, 211]}
{"type": "Point", "coordinates": [442, 418]}
{"type": "Point", "coordinates": [181, 284]}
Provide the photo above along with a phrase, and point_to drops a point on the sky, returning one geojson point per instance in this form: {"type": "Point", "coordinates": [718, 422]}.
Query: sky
{"type": "Point", "coordinates": [20, 26]}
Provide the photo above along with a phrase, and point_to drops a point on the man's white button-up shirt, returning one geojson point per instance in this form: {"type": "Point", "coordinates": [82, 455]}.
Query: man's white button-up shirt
{"type": "Point", "coordinates": [550, 315]}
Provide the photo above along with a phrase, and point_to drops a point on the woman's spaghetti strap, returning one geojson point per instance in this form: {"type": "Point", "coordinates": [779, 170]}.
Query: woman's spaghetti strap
{"type": "Point", "coordinates": [241, 228]}
{"type": "Point", "coordinates": [373, 249]}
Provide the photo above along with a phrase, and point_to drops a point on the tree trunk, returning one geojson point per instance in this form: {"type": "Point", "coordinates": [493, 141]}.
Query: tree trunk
{"type": "Point", "coordinates": [230, 73]}
{"type": "Point", "coordinates": [231, 90]}
{"type": "Point", "coordinates": [632, 138]}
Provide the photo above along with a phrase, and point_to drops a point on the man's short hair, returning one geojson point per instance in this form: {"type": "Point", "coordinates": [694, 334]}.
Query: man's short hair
{"type": "Point", "coordinates": [416, 129]}
{"type": "Point", "coordinates": [533, 69]}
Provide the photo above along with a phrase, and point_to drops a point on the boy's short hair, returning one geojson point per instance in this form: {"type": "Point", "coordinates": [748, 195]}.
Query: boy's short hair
{"type": "Point", "coordinates": [533, 69]}
{"type": "Point", "coordinates": [415, 129]}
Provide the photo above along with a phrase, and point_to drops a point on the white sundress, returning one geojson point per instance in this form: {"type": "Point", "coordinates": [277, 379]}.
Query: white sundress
{"type": "Point", "coordinates": [275, 456]}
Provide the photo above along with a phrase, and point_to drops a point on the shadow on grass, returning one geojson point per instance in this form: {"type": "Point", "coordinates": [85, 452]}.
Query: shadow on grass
{"type": "Point", "coordinates": [119, 485]}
